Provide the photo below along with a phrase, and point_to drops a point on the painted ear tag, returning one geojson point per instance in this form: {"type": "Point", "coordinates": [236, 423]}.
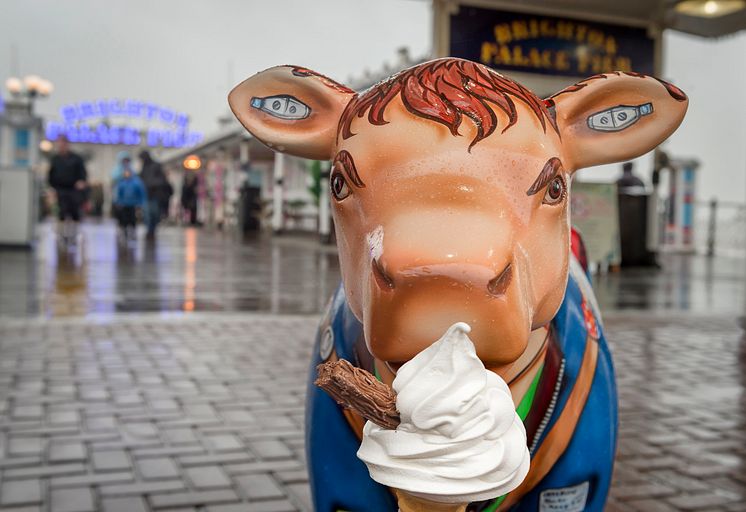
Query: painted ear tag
{"type": "Point", "coordinates": [618, 118]}
{"type": "Point", "coordinates": [283, 107]}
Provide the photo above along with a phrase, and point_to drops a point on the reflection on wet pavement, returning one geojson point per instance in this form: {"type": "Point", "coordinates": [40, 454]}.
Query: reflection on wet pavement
{"type": "Point", "coordinates": [183, 270]}
{"type": "Point", "coordinates": [684, 282]}
{"type": "Point", "coordinates": [188, 269]}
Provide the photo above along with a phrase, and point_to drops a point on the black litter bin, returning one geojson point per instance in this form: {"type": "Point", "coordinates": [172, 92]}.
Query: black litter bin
{"type": "Point", "coordinates": [250, 208]}
{"type": "Point", "coordinates": [633, 230]}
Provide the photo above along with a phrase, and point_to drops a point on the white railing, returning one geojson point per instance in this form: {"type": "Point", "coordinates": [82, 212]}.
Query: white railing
{"type": "Point", "coordinates": [720, 228]}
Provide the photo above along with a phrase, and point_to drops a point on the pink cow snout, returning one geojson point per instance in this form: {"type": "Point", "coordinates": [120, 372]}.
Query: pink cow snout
{"type": "Point", "coordinates": [462, 248]}
{"type": "Point", "coordinates": [435, 267]}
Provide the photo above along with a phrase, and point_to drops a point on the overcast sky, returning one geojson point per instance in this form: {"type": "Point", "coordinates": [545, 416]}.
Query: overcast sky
{"type": "Point", "coordinates": [186, 54]}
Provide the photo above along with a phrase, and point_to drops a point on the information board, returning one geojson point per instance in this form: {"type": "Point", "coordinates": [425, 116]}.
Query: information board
{"type": "Point", "coordinates": [594, 210]}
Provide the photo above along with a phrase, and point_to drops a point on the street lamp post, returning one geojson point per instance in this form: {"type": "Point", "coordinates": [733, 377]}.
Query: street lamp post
{"type": "Point", "coordinates": [20, 136]}
{"type": "Point", "coordinates": [20, 127]}
{"type": "Point", "coordinates": [28, 89]}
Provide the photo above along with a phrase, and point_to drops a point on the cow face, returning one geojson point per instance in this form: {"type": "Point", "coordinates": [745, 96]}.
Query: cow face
{"type": "Point", "coordinates": [450, 186]}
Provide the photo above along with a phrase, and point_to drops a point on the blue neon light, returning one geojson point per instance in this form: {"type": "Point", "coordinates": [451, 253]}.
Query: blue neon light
{"type": "Point", "coordinates": [78, 125]}
{"type": "Point", "coordinates": [134, 109]}
{"type": "Point", "coordinates": [127, 135]}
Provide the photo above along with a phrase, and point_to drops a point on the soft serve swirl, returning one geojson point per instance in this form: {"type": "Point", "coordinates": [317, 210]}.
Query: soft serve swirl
{"type": "Point", "coordinates": [460, 439]}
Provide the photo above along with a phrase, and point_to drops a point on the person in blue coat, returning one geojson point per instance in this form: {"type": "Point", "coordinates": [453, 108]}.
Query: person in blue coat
{"type": "Point", "coordinates": [124, 161]}
{"type": "Point", "coordinates": [129, 195]}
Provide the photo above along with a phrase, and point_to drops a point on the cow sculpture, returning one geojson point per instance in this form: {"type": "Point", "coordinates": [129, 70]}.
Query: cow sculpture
{"type": "Point", "coordinates": [450, 186]}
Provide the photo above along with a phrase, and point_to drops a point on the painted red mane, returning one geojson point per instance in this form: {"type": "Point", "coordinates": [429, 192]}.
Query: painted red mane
{"type": "Point", "coordinates": [445, 91]}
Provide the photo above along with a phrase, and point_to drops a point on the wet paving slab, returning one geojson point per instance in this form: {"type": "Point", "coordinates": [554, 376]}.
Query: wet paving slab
{"type": "Point", "coordinates": [144, 412]}
{"type": "Point", "coordinates": [682, 439]}
{"type": "Point", "coordinates": [171, 375]}
{"type": "Point", "coordinates": [205, 413]}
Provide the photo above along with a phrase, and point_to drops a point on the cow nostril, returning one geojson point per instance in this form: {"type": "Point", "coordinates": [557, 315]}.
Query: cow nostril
{"type": "Point", "coordinates": [499, 285]}
{"type": "Point", "coordinates": [385, 282]}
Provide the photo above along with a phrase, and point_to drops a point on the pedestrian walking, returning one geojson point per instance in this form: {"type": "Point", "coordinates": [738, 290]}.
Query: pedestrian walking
{"type": "Point", "coordinates": [129, 195]}
{"type": "Point", "coordinates": [158, 189]}
{"type": "Point", "coordinates": [189, 197]}
{"type": "Point", "coordinates": [123, 161]}
{"type": "Point", "coordinates": [68, 178]}
{"type": "Point", "coordinates": [165, 206]}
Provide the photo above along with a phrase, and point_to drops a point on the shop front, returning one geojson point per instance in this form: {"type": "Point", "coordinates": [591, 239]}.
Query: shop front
{"type": "Point", "coordinates": [245, 185]}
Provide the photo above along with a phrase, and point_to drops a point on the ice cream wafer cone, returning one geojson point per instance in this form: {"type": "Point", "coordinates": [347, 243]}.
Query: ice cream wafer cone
{"type": "Point", "coordinates": [410, 503]}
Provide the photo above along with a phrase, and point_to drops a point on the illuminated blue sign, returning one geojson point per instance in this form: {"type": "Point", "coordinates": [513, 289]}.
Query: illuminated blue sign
{"type": "Point", "coordinates": [134, 109]}
{"type": "Point", "coordinates": [76, 124]}
{"type": "Point", "coordinates": [127, 135]}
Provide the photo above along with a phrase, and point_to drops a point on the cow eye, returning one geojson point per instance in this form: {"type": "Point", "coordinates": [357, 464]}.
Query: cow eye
{"type": "Point", "coordinates": [283, 107]}
{"type": "Point", "coordinates": [556, 191]}
{"type": "Point", "coordinates": [618, 118]}
{"type": "Point", "coordinates": [340, 189]}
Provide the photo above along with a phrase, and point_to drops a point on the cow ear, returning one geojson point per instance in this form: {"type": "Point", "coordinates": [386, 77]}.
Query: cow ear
{"type": "Point", "coordinates": [292, 109]}
{"type": "Point", "coordinates": [616, 116]}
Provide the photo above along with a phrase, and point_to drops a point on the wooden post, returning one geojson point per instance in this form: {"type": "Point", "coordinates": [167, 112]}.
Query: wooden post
{"type": "Point", "coordinates": [711, 228]}
{"type": "Point", "coordinates": [324, 206]}
{"type": "Point", "coordinates": [278, 223]}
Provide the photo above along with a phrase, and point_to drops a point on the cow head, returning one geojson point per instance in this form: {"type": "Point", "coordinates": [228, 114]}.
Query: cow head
{"type": "Point", "coordinates": [450, 187]}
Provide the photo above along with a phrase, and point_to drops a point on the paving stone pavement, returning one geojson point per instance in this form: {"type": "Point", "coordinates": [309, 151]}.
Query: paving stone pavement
{"type": "Point", "coordinates": [682, 439]}
{"type": "Point", "coordinates": [205, 413]}
{"type": "Point", "coordinates": [159, 414]}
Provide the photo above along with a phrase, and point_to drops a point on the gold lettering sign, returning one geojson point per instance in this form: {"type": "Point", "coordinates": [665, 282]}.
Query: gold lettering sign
{"type": "Point", "coordinates": [515, 44]}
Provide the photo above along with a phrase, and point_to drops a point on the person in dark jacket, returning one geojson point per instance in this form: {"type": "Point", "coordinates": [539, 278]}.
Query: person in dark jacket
{"type": "Point", "coordinates": [68, 177]}
{"type": "Point", "coordinates": [189, 196]}
{"type": "Point", "coordinates": [129, 194]}
{"type": "Point", "coordinates": [158, 188]}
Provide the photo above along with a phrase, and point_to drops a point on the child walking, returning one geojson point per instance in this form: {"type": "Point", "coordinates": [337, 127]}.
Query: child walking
{"type": "Point", "coordinates": [129, 194]}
